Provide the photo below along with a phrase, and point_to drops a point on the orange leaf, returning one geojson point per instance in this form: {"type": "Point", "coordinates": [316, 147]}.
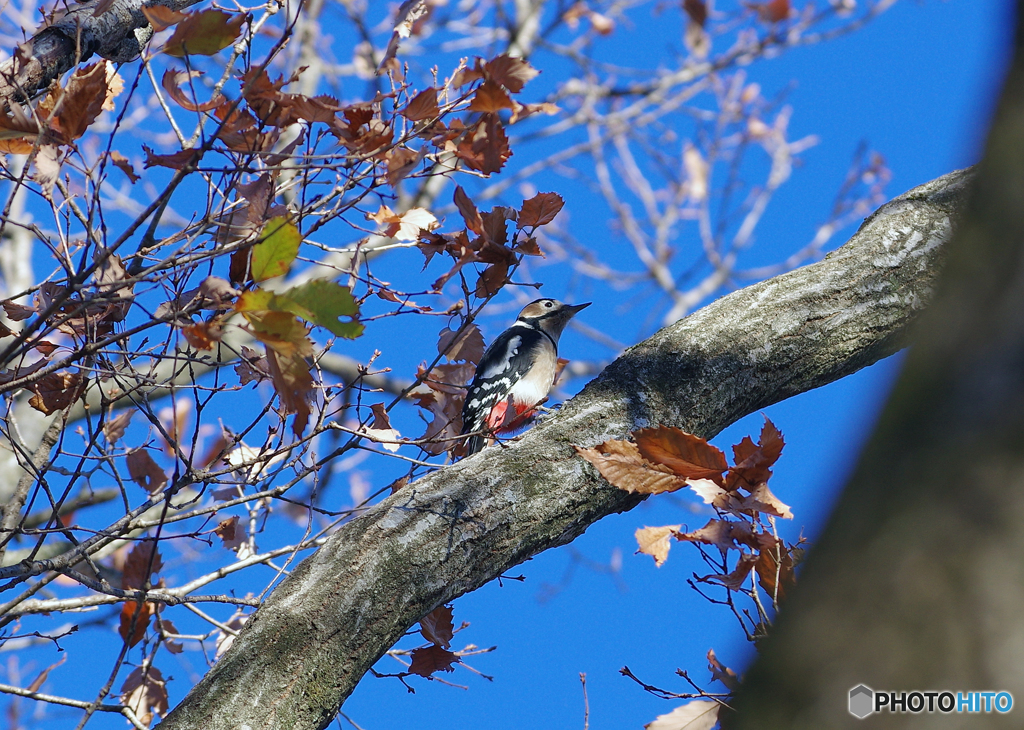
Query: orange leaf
{"type": "Point", "coordinates": [540, 209]}
{"type": "Point", "coordinates": [432, 659]}
{"type": "Point", "coordinates": [684, 454]}
{"type": "Point", "coordinates": [621, 464]}
{"type": "Point", "coordinates": [134, 621]}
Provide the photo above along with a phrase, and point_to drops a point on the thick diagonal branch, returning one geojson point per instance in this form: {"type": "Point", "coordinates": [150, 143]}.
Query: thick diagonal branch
{"type": "Point", "coordinates": [458, 528]}
{"type": "Point", "coordinates": [118, 34]}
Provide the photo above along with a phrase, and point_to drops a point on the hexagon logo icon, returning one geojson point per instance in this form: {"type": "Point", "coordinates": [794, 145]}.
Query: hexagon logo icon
{"type": "Point", "coordinates": [862, 700]}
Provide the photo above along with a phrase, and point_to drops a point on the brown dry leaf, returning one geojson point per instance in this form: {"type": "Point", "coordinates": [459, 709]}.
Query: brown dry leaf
{"type": "Point", "coordinates": [621, 464]}
{"type": "Point", "coordinates": [232, 533]}
{"type": "Point", "coordinates": [203, 335]}
{"type": "Point", "coordinates": [775, 568]}
{"type": "Point", "coordinates": [47, 163]}
{"type": "Point", "coordinates": [17, 312]}
{"type": "Point", "coordinates": [134, 621]}
{"type": "Point", "coordinates": [39, 680]}
{"type": "Point", "coordinates": [122, 163]}
{"type": "Point", "coordinates": [762, 500]}
{"type": "Point", "coordinates": [56, 391]}
{"type": "Point", "coordinates": [142, 561]}
{"type": "Point", "coordinates": [511, 72]}
{"type": "Point", "coordinates": [490, 97]}
{"type": "Point", "coordinates": [734, 580]}
{"type": "Point", "coordinates": [252, 368]}
{"type": "Point", "coordinates": [288, 345]}
{"type": "Point", "coordinates": [81, 101]}
{"type": "Point", "coordinates": [437, 626]}
{"type": "Point", "coordinates": [694, 715]}
{"type": "Point", "coordinates": [485, 146]}
{"type": "Point", "coordinates": [753, 462]}
{"type": "Point", "coordinates": [529, 246]}
{"type": "Point", "coordinates": [540, 210]}
{"type": "Point", "coordinates": [113, 429]}
{"type": "Point", "coordinates": [723, 534]}
{"type": "Point", "coordinates": [491, 280]}
{"type": "Point", "coordinates": [176, 160]}
{"type": "Point", "coordinates": [710, 492]}
{"type": "Point", "coordinates": [684, 454]}
{"type": "Point", "coordinates": [469, 211]}
{"type": "Point", "coordinates": [401, 161]}
{"type": "Point", "coordinates": [697, 10]}
{"type": "Point", "coordinates": [422, 106]}
{"type": "Point", "coordinates": [166, 627]}
{"type": "Point", "coordinates": [722, 673]}
{"type": "Point", "coordinates": [468, 347]}
{"type": "Point", "coordinates": [144, 692]}
{"type": "Point", "coordinates": [405, 227]}
{"type": "Point", "coordinates": [145, 472]}
{"type": "Point", "coordinates": [773, 11]}
{"type": "Point", "coordinates": [162, 17]}
{"type": "Point", "coordinates": [172, 81]}
{"type": "Point", "coordinates": [426, 661]}
{"type": "Point", "coordinates": [381, 431]}
{"type": "Point", "coordinates": [654, 541]}
{"type": "Point", "coordinates": [204, 33]}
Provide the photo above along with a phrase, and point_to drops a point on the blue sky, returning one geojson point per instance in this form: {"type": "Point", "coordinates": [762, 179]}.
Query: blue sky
{"type": "Point", "coordinates": [917, 86]}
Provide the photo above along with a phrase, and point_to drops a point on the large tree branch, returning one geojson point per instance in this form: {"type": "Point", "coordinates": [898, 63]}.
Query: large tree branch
{"type": "Point", "coordinates": [459, 527]}
{"type": "Point", "coordinates": [118, 34]}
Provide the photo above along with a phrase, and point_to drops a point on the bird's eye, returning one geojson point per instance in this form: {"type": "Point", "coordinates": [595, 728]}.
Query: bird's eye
{"type": "Point", "coordinates": [548, 304]}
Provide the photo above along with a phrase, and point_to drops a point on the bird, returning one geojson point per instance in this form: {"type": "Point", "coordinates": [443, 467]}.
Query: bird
{"type": "Point", "coordinates": [516, 372]}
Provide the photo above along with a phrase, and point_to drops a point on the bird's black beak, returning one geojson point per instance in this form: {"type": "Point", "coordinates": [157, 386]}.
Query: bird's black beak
{"type": "Point", "coordinates": [579, 307]}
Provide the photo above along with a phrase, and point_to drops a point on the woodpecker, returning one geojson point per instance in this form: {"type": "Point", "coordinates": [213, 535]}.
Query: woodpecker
{"type": "Point", "coordinates": [516, 372]}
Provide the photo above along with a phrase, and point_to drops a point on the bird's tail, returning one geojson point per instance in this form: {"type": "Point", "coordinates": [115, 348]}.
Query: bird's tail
{"type": "Point", "coordinates": [475, 443]}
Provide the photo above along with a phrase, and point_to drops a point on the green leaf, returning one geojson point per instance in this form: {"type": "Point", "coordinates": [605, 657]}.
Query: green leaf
{"type": "Point", "coordinates": [328, 302]}
{"type": "Point", "coordinates": [273, 256]}
{"type": "Point", "coordinates": [318, 302]}
{"type": "Point", "coordinates": [204, 33]}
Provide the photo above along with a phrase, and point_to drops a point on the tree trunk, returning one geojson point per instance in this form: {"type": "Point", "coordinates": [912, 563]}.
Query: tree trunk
{"type": "Point", "coordinates": [322, 628]}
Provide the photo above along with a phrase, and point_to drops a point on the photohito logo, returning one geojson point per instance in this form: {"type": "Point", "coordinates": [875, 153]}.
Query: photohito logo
{"type": "Point", "coordinates": [865, 701]}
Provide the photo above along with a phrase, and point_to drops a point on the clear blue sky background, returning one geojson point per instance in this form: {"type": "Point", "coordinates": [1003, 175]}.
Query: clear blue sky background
{"type": "Point", "coordinates": [917, 85]}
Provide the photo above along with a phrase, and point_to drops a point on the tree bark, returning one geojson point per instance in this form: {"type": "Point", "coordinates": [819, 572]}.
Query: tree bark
{"type": "Point", "coordinates": [322, 628]}
{"type": "Point", "coordinates": [917, 582]}
{"type": "Point", "coordinates": [118, 34]}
